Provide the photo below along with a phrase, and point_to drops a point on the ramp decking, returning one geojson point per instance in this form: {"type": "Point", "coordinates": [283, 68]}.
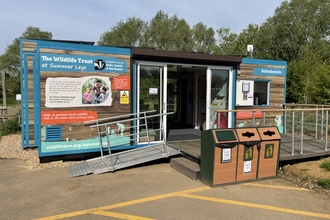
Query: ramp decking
{"type": "Point", "coordinates": [121, 160]}
{"type": "Point", "coordinates": [311, 148]}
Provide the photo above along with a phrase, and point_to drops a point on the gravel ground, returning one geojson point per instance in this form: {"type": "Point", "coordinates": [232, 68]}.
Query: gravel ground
{"type": "Point", "coordinates": [307, 174]}
{"type": "Point", "coordinates": [11, 148]}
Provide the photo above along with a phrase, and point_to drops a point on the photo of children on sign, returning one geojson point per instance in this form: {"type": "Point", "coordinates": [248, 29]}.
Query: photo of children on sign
{"type": "Point", "coordinates": [75, 92]}
{"type": "Point", "coordinates": [95, 91]}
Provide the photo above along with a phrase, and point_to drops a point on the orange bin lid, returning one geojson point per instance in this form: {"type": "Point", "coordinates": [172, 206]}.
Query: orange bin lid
{"type": "Point", "coordinates": [269, 133]}
{"type": "Point", "coordinates": [247, 134]}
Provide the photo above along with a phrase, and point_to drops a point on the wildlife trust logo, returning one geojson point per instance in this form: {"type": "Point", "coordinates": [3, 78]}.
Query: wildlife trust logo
{"type": "Point", "coordinates": [99, 64]}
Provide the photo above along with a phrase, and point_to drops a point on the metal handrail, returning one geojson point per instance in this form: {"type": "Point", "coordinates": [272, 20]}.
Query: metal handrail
{"type": "Point", "coordinates": [270, 110]}
{"type": "Point", "coordinates": [118, 116]}
{"type": "Point", "coordinates": [302, 105]}
{"type": "Point", "coordinates": [300, 125]}
{"type": "Point", "coordinates": [133, 117]}
{"type": "Point", "coordinates": [130, 119]}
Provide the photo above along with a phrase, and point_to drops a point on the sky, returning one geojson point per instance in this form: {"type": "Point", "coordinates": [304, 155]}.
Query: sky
{"type": "Point", "coordinates": [86, 20]}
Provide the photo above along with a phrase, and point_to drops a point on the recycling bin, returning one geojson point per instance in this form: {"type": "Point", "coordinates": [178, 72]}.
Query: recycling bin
{"type": "Point", "coordinates": [218, 156]}
{"type": "Point", "coordinates": [248, 152]}
{"type": "Point", "coordinates": [269, 152]}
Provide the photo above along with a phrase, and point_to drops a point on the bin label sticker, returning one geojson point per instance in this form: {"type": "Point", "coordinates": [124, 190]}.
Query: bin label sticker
{"type": "Point", "coordinates": [226, 155]}
{"type": "Point", "coordinates": [247, 167]}
{"type": "Point", "coordinates": [248, 153]}
{"type": "Point", "coordinates": [269, 150]}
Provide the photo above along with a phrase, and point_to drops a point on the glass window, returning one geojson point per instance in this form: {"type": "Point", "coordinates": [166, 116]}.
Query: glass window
{"type": "Point", "coordinates": [261, 92]}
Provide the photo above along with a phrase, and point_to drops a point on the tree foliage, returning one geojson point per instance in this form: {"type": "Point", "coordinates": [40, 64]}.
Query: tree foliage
{"type": "Point", "coordinates": [226, 41]}
{"type": "Point", "coordinates": [295, 24]}
{"type": "Point", "coordinates": [230, 43]}
{"type": "Point", "coordinates": [125, 33]}
{"type": "Point", "coordinates": [298, 32]}
{"type": "Point", "coordinates": [203, 39]}
{"type": "Point", "coordinates": [162, 32]}
{"type": "Point", "coordinates": [248, 36]}
{"type": "Point", "coordinates": [302, 76]}
{"type": "Point", "coordinates": [9, 61]}
{"type": "Point", "coordinates": [168, 33]}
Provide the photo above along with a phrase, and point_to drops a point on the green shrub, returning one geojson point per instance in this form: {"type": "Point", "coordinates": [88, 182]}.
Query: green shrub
{"type": "Point", "coordinates": [305, 178]}
{"type": "Point", "coordinates": [304, 169]}
{"type": "Point", "coordinates": [11, 101]}
{"type": "Point", "coordinates": [324, 183]}
{"type": "Point", "coordinates": [325, 165]}
{"type": "Point", "coordinates": [10, 126]}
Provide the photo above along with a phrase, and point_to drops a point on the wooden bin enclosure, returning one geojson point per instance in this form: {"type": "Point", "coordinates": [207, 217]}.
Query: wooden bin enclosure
{"type": "Point", "coordinates": [218, 156]}
{"type": "Point", "coordinates": [269, 152]}
{"type": "Point", "coordinates": [247, 162]}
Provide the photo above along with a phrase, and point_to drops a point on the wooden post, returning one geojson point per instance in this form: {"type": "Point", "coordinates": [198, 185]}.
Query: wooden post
{"type": "Point", "coordinates": [4, 95]}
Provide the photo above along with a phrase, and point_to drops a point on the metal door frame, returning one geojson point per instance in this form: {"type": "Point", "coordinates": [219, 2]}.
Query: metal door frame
{"type": "Point", "coordinates": [208, 92]}
{"type": "Point", "coordinates": [163, 94]}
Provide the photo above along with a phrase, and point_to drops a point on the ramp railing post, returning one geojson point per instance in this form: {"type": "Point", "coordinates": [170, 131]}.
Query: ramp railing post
{"type": "Point", "coordinates": [302, 132]}
{"type": "Point", "coordinates": [147, 127]}
{"type": "Point", "coordinates": [292, 135]}
{"type": "Point", "coordinates": [326, 130]}
{"type": "Point", "coordinates": [285, 119]}
{"type": "Point", "coordinates": [322, 124]}
{"type": "Point", "coordinates": [108, 144]}
{"type": "Point", "coordinates": [164, 134]}
{"type": "Point", "coordinates": [316, 121]}
{"type": "Point", "coordinates": [100, 138]}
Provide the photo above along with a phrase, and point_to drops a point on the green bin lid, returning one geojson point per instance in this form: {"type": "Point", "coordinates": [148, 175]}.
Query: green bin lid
{"type": "Point", "coordinates": [227, 135]}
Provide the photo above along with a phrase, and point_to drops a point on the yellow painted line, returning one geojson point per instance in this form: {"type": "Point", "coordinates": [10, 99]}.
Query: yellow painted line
{"type": "Point", "coordinates": [122, 204]}
{"type": "Point", "coordinates": [120, 216]}
{"type": "Point", "coordinates": [254, 205]}
{"type": "Point", "coordinates": [163, 196]}
{"type": "Point", "coordinates": [67, 215]}
{"type": "Point", "coordinates": [277, 187]}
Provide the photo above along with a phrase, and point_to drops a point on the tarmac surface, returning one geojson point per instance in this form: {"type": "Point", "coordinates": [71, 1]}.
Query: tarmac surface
{"type": "Point", "coordinates": [153, 191]}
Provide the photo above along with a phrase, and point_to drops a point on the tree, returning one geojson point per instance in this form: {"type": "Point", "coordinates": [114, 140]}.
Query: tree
{"type": "Point", "coordinates": [227, 42]}
{"type": "Point", "coordinates": [308, 79]}
{"type": "Point", "coordinates": [127, 33]}
{"type": "Point", "coordinates": [296, 23]}
{"type": "Point", "coordinates": [9, 61]}
{"type": "Point", "coordinates": [168, 33]}
{"type": "Point", "coordinates": [230, 43]}
{"type": "Point", "coordinates": [203, 39]}
{"type": "Point", "coordinates": [248, 36]}
{"type": "Point", "coordinates": [162, 32]}
{"type": "Point", "coordinates": [299, 32]}
{"type": "Point", "coordinates": [321, 90]}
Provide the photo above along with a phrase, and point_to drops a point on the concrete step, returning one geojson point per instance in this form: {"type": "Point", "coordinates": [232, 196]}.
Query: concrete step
{"type": "Point", "coordinates": [186, 167]}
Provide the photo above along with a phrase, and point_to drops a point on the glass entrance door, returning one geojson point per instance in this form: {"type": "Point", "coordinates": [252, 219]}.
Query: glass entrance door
{"type": "Point", "coordinates": [219, 97]}
{"type": "Point", "coordinates": [151, 96]}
